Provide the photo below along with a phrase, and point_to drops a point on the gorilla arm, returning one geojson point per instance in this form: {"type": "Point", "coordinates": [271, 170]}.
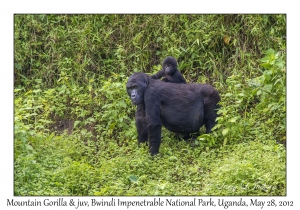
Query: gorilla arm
{"type": "Point", "coordinates": [141, 124]}
{"type": "Point", "coordinates": [158, 75]}
{"type": "Point", "coordinates": [154, 125]}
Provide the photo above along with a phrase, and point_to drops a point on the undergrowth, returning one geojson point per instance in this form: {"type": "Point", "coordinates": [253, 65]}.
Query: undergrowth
{"type": "Point", "coordinates": [74, 124]}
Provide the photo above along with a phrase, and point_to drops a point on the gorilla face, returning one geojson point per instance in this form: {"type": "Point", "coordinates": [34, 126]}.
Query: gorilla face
{"type": "Point", "coordinates": [136, 87]}
{"type": "Point", "coordinates": [170, 65]}
{"type": "Point", "coordinates": [135, 95]}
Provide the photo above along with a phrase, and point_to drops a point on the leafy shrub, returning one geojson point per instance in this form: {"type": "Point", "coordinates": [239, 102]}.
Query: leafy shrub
{"type": "Point", "coordinates": [114, 117]}
{"type": "Point", "coordinates": [255, 104]}
{"type": "Point", "coordinates": [270, 87]}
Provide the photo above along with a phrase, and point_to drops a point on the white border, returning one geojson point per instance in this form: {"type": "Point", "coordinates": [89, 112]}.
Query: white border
{"type": "Point", "coordinates": [8, 8]}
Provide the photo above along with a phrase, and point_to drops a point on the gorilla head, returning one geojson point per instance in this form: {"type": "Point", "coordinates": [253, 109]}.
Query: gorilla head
{"type": "Point", "coordinates": [136, 87]}
{"type": "Point", "coordinates": [169, 71]}
{"type": "Point", "coordinates": [169, 65]}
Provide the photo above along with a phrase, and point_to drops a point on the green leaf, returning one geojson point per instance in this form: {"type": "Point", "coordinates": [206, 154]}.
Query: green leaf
{"type": "Point", "coordinates": [225, 142]}
{"type": "Point", "coordinates": [112, 126]}
{"type": "Point", "coordinates": [258, 92]}
{"type": "Point", "coordinates": [122, 104]}
{"type": "Point", "coordinates": [268, 87]}
{"type": "Point", "coordinates": [270, 52]}
{"type": "Point", "coordinates": [265, 59]}
{"type": "Point", "coordinates": [62, 91]}
{"type": "Point", "coordinates": [91, 119]}
{"type": "Point", "coordinates": [29, 147]}
{"type": "Point", "coordinates": [239, 101]}
{"type": "Point", "coordinates": [133, 178]}
{"type": "Point", "coordinates": [228, 94]}
{"type": "Point", "coordinates": [234, 119]}
{"type": "Point", "coordinates": [225, 131]}
{"type": "Point", "coordinates": [183, 49]}
{"type": "Point", "coordinates": [266, 65]}
{"type": "Point", "coordinates": [76, 123]}
{"type": "Point", "coordinates": [279, 63]}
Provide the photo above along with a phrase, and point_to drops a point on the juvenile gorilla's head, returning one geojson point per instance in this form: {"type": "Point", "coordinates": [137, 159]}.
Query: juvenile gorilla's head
{"type": "Point", "coordinates": [136, 87]}
{"type": "Point", "coordinates": [169, 65]}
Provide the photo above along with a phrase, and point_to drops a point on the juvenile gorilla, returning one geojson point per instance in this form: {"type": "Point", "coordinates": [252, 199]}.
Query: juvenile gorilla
{"type": "Point", "coordinates": [178, 107]}
{"type": "Point", "coordinates": [169, 72]}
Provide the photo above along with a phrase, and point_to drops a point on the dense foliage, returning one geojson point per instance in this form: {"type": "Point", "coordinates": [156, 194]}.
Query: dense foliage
{"type": "Point", "coordinates": [74, 123]}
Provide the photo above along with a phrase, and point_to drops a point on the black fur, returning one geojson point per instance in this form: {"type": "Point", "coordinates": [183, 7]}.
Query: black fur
{"type": "Point", "coordinates": [178, 107]}
{"type": "Point", "coordinates": [169, 72]}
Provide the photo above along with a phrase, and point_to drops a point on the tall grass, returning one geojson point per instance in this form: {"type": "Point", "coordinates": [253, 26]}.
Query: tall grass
{"type": "Point", "coordinates": [85, 45]}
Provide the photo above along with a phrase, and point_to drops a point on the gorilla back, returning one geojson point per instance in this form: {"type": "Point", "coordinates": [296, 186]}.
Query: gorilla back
{"type": "Point", "coordinates": [178, 107]}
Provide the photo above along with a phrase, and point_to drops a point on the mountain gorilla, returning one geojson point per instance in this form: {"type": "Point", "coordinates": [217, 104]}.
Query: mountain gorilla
{"type": "Point", "coordinates": [169, 72]}
{"type": "Point", "coordinates": [178, 107]}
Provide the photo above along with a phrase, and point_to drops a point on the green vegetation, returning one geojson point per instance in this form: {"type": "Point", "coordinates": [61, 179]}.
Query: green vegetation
{"type": "Point", "coordinates": [74, 123]}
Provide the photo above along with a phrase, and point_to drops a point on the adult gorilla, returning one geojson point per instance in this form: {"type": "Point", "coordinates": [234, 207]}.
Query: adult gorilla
{"type": "Point", "coordinates": [178, 107]}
